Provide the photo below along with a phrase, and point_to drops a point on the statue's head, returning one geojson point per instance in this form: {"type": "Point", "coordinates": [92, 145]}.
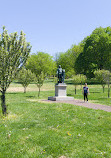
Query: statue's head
{"type": "Point", "coordinates": [59, 66]}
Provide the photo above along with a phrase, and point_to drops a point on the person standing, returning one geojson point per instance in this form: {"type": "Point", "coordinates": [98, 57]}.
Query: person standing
{"type": "Point", "coordinates": [85, 92]}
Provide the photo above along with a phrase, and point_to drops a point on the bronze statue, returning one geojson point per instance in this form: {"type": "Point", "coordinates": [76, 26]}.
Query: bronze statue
{"type": "Point", "coordinates": [61, 74]}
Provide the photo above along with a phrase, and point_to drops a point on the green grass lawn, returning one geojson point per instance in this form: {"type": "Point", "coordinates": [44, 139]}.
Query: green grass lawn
{"type": "Point", "coordinates": [96, 94]}
{"type": "Point", "coordinates": [34, 129]}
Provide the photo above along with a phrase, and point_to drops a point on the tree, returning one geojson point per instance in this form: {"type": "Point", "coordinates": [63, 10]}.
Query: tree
{"type": "Point", "coordinates": [83, 79]}
{"type": "Point", "coordinates": [79, 79]}
{"type": "Point", "coordinates": [25, 77]}
{"type": "Point", "coordinates": [99, 75]}
{"type": "Point", "coordinates": [103, 76]}
{"type": "Point", "coordinates": [96, 53]}
{"type": "Point", "coordinates": [53, 69]}
{"type": "Point", "coordinates": [76, 81]}
{"type": "Point", "coordinates": [41, 64]}
{"type": "Point", "coordinates": [107, 78]}
{"type": "Point", "coordinates": [14, 51]}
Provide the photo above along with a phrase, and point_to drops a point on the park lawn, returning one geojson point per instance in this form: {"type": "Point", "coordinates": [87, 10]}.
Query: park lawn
{"type": "Point", "coordinates": [96, 92]}
{"type": "Point", "coordinates": [35, 129]}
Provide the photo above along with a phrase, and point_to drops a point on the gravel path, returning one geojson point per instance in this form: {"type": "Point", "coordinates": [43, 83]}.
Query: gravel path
{"type": "Point", "coordinates": [85, 104]}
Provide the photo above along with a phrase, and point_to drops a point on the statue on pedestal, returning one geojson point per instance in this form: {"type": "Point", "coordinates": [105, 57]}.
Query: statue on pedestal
{"type": "Point", "coordinates": [60, 87]}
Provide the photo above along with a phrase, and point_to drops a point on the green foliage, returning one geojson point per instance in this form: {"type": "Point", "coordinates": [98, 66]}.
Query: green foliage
{"type": "Point", "coordinates": [79, 79]}
{"type": "Point", "coordinates": [42, 65]}
{"type": "Point", "coordinates": [67, 59]}
{"type": "Point", "coordinates": [14, 51]}
{"type": "Point", "coordinates": [96, 53]}
{"type": "Point", "coordinates": [76, 79]}
{"type": "Point", "coordinates": [99, 75]}
{"type": "Point", "coordinates": [70, 73]}
{"type": "Point", "coordinates": [83, 79]}
{"type": "Point", "coordinates": [107, 78]}
{"type": "Point", "coordinates": [103, 76]}
{"type": "Point", "coordinates": [25, 77]}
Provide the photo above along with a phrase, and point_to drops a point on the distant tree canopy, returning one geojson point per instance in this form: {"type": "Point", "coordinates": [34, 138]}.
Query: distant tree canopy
{"type": "Point", "coordinates": [93, 53]}
{"type": "Point", "coordinates": [96, 53]}
{"type": "Point", "coordinates": [67, 59]}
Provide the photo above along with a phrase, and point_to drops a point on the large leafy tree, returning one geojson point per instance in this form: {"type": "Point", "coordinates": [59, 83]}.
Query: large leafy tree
{"type": "Point", "coordinates": [42, 65]}
{"type": "Point", "coordinates": [96, 53]}
{"type": "Point", "coordinates": [14, 51]}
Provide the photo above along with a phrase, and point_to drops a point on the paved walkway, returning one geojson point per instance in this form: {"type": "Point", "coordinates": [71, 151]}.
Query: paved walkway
{"type": "Point", "coordinates": [85, 104]}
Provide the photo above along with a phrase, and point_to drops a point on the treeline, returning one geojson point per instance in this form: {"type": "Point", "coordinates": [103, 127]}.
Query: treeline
{"type": "Point", "coordinates": [93, 53]}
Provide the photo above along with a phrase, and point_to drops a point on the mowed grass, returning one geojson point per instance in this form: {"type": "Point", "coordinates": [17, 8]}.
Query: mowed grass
{"type": "Point", "coordinates": [96, 94]}
{"type": "Point", "coordinates": [96, 91]}
{"type": "Point", "coordinates": [36, 129]}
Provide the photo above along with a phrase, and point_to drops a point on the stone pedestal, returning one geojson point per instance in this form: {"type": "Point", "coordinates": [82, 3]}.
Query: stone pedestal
{"type": "Point", "coordinates": [60, 90]}
{"type": "Point", "coordinates": [60, 93]}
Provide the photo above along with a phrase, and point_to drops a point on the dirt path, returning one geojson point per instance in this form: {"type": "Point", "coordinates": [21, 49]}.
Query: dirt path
{"type": "Point", "coordinates": [85, 104]}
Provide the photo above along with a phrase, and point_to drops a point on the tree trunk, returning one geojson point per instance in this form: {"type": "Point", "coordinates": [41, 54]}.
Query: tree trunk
{"type": "Point", "coordinates": [103, 88]}
{"type": "Point", "coordinates": [39, 92]}
{"type": "Point", "coordinates": [81, 86]}
{"type": "Point", "coordinates": [108, 90]}
{"type": "Point", "coordinates": [24, 89]}
{"type": "Point", "coordinates": [75, 89]}
{"type": "Point", "coordinates": [4, 107]}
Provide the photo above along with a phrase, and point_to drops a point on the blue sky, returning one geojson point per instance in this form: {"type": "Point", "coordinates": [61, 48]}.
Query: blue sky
{"type": "Point", "coordinates": [52, 26]}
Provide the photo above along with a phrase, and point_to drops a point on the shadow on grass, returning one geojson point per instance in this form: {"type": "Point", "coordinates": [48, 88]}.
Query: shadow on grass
{"type": "Point", "coordinates": [48, 81]}
{"type": "Point", "coordinates": [104, 99]}
{"type": "Point", "coordinates": [14, 93]}
{"type": "Point", "coordinates": [69, 95]}
{"type": "Point", "coordinates": [69, 83]}
{"type": "Point", "coordinates": [95, 92]}
{"type": "Point", "coordinates": [30, 97]}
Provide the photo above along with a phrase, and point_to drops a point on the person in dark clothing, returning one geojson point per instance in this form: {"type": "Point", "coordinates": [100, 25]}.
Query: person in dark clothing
{"type": "Point", "coordinates": [85, 92]}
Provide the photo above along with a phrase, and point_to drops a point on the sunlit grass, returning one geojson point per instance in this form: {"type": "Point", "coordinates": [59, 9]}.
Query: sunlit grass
{"type": "Point", "coordinates": [36, 129]}
{"type": "Point", "coordinates": [96, 92]}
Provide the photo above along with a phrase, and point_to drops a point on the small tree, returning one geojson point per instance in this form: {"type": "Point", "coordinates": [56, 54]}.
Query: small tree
{"type": "Point", "coordinates": [107, 78]}
{"type": "Point", "coordinates": [83, 79]}
{"type": "Point", "coordinates": [25, 77]}
{"type": "Point", "coordinates": [39, 81]}
{"type": "Point", "coordinates": [41, 64]}
{"type": "Point", "coordinates": [76, 81]}
{"type": "Point", "coordinates": [14, 51]}
{"type": "Point", "coordinates": [100, 76]}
